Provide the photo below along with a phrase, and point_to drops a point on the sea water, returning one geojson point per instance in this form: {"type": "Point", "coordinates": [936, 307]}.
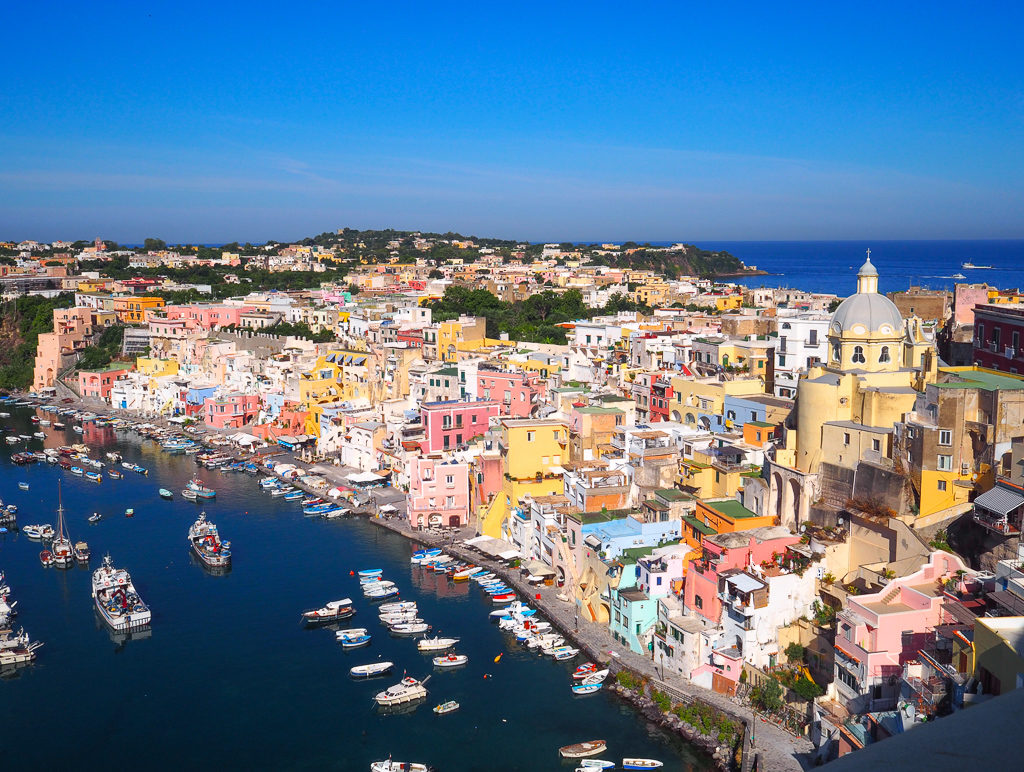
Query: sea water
{"type": "Point", "coordinates": [227, 677]}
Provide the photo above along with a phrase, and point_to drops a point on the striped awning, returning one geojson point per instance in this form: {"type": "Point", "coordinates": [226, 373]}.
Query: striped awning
{"type": "Point", "coordinates": [1001, 501]}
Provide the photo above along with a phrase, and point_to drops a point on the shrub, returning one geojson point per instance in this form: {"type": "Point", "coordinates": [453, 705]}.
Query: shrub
{"type": "Point", "coordinates": [662, 700]}
{"type": "Point", "coordinates": [768, 696]}
{"type": "Point", "coordinates": [806, 688]}
{"type": "Point", "coordinates": [795, 652]}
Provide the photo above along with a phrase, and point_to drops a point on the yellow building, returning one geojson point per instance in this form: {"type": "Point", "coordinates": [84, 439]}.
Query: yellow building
{"type": "Point", "coordinates": [337, 376]}
{"type": "Point", "coordinates": [697, 401]}
{"type": "Point", "coordinates": [999, 653]}
{"type": "Point", "coordinates": [845, 411]}
{"type": "Point", "coordinates": [532, 451]}
{"type": "Point", "coordinates": [652, 293]}
{"type": "Point", "coordinates": [707, 477]}
{"type": "Point", "coordinates": [156, 367]}
{"type": "Point", "coordinates": [135, 309]}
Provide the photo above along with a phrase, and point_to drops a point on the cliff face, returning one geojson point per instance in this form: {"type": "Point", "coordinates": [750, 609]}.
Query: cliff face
{"type": "Point", "coordinates": [690, 260]}
{"type": "Point", "coordinates": [981, 548]}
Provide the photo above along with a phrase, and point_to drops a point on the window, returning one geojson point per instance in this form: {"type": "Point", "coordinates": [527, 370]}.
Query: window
{"type": "Point", "coordinates": [814, 338]}
{"type": "Point", "coordinates": [858, 354]}
{"type": "Point", "coordinates": [782, 361]}
{"type": "Point", "coordinates": [557, 435]}
{"type": "Point", "coordinates": [847, 678]}
{"type": "Point", "coordinates": [944, 463]}
{"type": "Point", "coordinates": [945, 437]}
{"type": "Point", "coordinates": [884, 356]}
{"type": "Point", "coordinates": [698, 601]}
{"type": "Point", "coordinates": [449, 502]}
{"type": "Point", "coordinates": [876, 445]}
{"type": "Point", "coordinates": [449, 479]}
{"type": "Point", "coordinates": [942, 485]}
{"type": "Point", "coordinates": [530, 436]}
{"type": "Point", "coordinates": [835, 352]}
{"type": "Point", "coordinates": [981, 334]}
{"type": "Point", "coordinates": [846, 438]}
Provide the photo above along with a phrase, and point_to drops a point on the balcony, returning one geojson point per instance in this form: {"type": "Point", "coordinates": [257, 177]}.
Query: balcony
{"type": "Point", "coordinates": [999, 525]}
{"type": "Point", "coordinates": [1010, 352]}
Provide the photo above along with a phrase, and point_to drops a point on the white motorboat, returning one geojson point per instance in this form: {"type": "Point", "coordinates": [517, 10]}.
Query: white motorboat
{"type": "Point", "coordinates": [446, 707]}
{"type": "Point", "coordinates": [436, 643]}
{"type": "Point", "coordinates": [332, 611]}
{"type": "Point", "coordinates": [398, 766]}
{"type": "Point", "coordinates": [38, 531]}
{"type": "Point", "coordinates": [117, 599]}
{"type": "Point", "coordinates": [397, 619]}
{"type": "Point", "coordinates": [371, 670]}
{"type": "Point", "coordinates": [641, 764]}
{"type": "Point", "coordinates": [588, 764]}
{"type": "Point", "coordinates": [352, 632]}
{"type": "Point", "coordinates": [381, 592]}
{"type": "Point", "coordinates": [450, 660]}
{"type": "Point", "coordinates": [566, 652]}
{"type": "Point", "coordinates": [95, 517]}
{"type": "Point", "coordinates": [409, 628]}
{"type": "Point", "coordinates": [397, 607]}
{"type": "Point", "coordinates": [376, 584]}
{"type": "Point", "coordinates": [581, 750]}
{"type": "Point", "coordinates": [407, 690]}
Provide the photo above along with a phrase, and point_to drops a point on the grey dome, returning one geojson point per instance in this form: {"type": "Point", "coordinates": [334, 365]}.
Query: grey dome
{"type": "Point", "coordinates": [867, 308]}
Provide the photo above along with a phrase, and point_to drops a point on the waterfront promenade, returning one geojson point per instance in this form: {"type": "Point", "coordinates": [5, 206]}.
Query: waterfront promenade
{"type": "Point", "coordinates": [777, 750]}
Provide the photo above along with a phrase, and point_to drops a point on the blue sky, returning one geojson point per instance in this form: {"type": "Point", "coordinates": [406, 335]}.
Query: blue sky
{"type": "Point", "coordinates": [216, 122]}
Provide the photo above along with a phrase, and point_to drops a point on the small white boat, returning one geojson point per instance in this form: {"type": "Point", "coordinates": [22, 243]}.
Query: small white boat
{"type": "Point", "coordinates": [38, 531]}
{"type": "Point", "coordinates": [436, 644]}
{"type": "Point", "coordinates": [22, 486]}
{"type": "Point", "coordinates": [398, 766]}
{"type": "Point", "coordinates": [352, 632]}
{"type": "Point", "coordinates": [641, 764]}
{"type": "Point", "coordinates": [588, 764]}
{"type": "Point", "coordinates": [409, 628]}
{"type": "Point", "coordinates": [585, 688]}
{"type": "Point", "coordinates": [446, 707]}
{"type": "Point", "coordinates": [397, 607]}
{"type": "Point", "coordinates": [564, 653]}
{"type": "Point", "coordinates": [370, 572]}
{"type": "Point", "coordinates": [371, 670]}
{"type": "Point", "coordinates": [450, 660]}
{"type": "Point", "coordinates": [95, 517]}
{"type": "Point", "coordinates": [381, 592]}
{"type": "Point", "coordinates": [596, 677]}
{"type": "Point", "coordinates": [397, 619]}
{"type": "Point", "coordinates": [39, 435]}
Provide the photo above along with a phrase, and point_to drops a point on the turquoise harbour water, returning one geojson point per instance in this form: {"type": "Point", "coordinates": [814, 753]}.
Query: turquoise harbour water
{"type": "Point", "coordinates": [227, 677]}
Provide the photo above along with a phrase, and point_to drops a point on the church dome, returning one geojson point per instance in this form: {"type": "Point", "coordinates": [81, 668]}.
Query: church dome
{"type": "Point", "coordinates": [874, 312]}
{"type": "Point", "coordinates": [867, 312]}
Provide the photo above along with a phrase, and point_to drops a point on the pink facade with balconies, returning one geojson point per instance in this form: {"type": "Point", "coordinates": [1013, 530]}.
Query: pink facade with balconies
{"type": "Point", "coordinates": [96, 384]}
{"type": "Point", "coordinates": [518, 393]}
{"type": "Point", "coordinates": [438, 492]}
{"type": "Point", "coordinates": [876, 634]}
{"type": "Point", "coordinates": [207, 316]}
{"type": "Point", "coordinates": [725, 552]}
{"type": "Point", "coordinates": [446, 425]}
{"type": "Point", "coordinates": [232, 411]}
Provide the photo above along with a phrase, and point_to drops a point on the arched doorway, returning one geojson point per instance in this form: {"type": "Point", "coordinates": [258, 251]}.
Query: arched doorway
{"type": "Point", "coordinates": [435, 520]}
{"type": "Point", "coordinates": [793, 511]}
{"type": "Point", "coordinates": [676, 416]}
{"type": "Point", "coordinates": [454, 521]}
{"type": "Point", "coordinates": [777, 491]}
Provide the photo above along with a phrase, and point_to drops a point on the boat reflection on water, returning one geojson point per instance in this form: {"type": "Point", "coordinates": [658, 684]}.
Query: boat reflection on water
{"type": "Point", "coordinates": [439, 585]}
{"type": "Point", "coordinates": [121, 637]}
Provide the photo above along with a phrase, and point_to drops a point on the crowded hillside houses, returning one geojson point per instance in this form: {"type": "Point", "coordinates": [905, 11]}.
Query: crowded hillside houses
{"type": "Point", "coordinates": [744, 485]}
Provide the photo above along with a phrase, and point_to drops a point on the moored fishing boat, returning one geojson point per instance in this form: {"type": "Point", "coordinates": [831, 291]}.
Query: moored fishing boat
{"type": "Point", "coordinates": [332, 611]}
{"type": "Point", "coordinates": [95, 517]}
{"type": "Point", "coordinates": [116, 598]}
{"type": "Point", "coordinates": [113, 474]}
{"type": "Point", "coordinates": [165, 494]}
{"type": "Point", "coordinates": [585, 688]}
{"type": "Point", "coordinates": [409, 628]}
{"type": "Point", "coordinates": [46, 558]}
{"type": "Point", "coordinates": [597, 677]}
{"type": "Point", "coordinates": [200, 490]}
{"type": "Point", "coordinates": [206, 543]}
{"type": "Point", "coordinates": [582, 750]}
{"type": "Point", "coordinates": [82, 553]}
{"type": "Point", "coordinates": [446, 707]}
{"type": "Point", "coordinates": [94, 476]}
{"type": "Point", "coordinates": [396, 607]}
{"type": "Point", "coordinates": [351, 639]}
{"type": "Point", "coordinates": [62, 549]}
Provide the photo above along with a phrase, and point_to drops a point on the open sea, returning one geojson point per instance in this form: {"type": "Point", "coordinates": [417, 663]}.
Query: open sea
{"type": "Point", "coordinates": [831, 266]}
{"type": "Point", "coordinates": [227, 677]}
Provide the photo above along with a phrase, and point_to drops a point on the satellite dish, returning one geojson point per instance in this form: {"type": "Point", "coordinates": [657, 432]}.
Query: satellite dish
{"type": "Point", "coordinates": [839, 521]}
{"type": "Point", "coordinates": [803, 527]}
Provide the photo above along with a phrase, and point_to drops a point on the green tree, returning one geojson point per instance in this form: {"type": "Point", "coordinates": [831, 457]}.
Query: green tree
{"type": "Point", "coordinates": [154, 245]}
{"type": "Point", "coordinates": [768, 696]}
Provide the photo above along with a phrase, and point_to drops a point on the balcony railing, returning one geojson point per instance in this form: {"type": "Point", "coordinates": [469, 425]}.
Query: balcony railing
{"type": "Point", "coordinates": [1000, 525]}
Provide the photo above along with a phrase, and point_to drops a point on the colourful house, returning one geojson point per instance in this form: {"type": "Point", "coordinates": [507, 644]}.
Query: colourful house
{"type": "Point", "coordinates": [717, 516]}
{"type": "Point", "coordinates": [519, 393]}
{"type": "Point", "coordinates": [135, 310]}
{"type": "Point", "coordinates": [449, 424]}
{"type": "Point", "coordinates": [438, 492]}
{"type": "Point", "coordinates": [231, 411]}
{"type": "Point", "coordinates": [876, 634]}
{"type": "Point", "coordinates": [97, 383]}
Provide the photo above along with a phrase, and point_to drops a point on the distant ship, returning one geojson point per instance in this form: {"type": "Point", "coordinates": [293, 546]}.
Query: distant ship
{"type": "Point", "coordinates": [972, 266]}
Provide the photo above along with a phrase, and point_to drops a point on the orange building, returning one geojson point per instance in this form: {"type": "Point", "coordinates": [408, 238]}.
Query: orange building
{"type": "Point", "coordinates": [758, 433]}
{"type": "Point", "coordinates": [720, 516]}
{"type": "Point", "coordinates": [134, 310]}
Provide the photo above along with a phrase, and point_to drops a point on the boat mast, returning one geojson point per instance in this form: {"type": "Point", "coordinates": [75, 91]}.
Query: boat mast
{"type": "Point", "coordinates": [60, 514]}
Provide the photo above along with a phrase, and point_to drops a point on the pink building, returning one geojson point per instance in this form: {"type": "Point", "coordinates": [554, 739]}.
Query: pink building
{"type": "Point", "coordinates": [725, 552]}
{"type": "Point", "coordinates": [207, 316]}
{"type": "Point", "coordinates": [876, 634]}
{"type": "Point", "coordinates": [232, 411]}
{"type": "Point", "coordinates": [518, 392]}
{"type": "Point", "coordinates": [446, 425]}
{"type": "Point", "coordinates": [97, 383]}
{"type": "Point", "coordinates": [438, 492]}
{"type": "Point", "coordinates": [71, 328]}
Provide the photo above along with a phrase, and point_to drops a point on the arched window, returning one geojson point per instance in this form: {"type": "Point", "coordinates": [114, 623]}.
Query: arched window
{"type": "Point", "coordinates": [884, 356]}
{"type": "Point", "coordinates": [835, 352]}
{"type": "Point", "coordinates": [858, 354]}
{"type": "Point", "coordinates": [787, 326]}
{"type": "Point", "coordinates": [689, 418]}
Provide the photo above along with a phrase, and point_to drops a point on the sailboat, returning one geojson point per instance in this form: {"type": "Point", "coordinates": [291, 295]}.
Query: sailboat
{"type": "Point", "coordinates": [61, 549]}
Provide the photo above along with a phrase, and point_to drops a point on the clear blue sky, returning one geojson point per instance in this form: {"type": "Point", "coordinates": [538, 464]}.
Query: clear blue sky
{"type": "Point", "coordinates": [216, 122]}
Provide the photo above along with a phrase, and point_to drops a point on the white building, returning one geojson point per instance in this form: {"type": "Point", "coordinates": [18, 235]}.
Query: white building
{"type": "Point", "coordinates": [801, 343]}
